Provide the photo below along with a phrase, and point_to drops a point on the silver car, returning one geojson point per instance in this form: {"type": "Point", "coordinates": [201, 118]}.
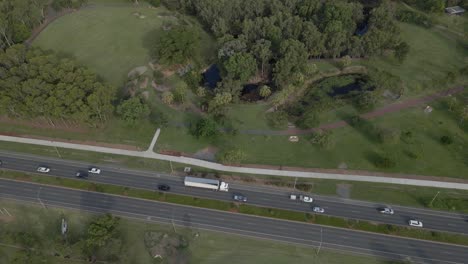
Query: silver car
{"type": "Point", "coordinates": [386, 210]}
{"type": "Point", "coordinates": [317, 209]}
{"type": "Point", "coordinates": [43, 169]}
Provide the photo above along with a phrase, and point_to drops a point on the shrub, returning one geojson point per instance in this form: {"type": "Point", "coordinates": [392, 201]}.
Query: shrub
{"type": "Point", "coordinates": [231, 156]}
{"type": "Point", "coordinates": [322, 138]}
{"type": "Point", "coordinates": [309, 120]}
{"type": "Point", "coordinates": [446, 140]}
{"type": "Point", "coordinates": [384, 161]}
{"type": "Point", "coordinates": [277, 119]}
{"type": "Point", "coordinates": [389, 136]}
{"type": "Point", "coordinates": [204, 127]}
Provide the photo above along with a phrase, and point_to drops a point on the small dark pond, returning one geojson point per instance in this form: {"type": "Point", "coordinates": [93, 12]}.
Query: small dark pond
{"type": "Point", "coordinates": [250, 92]}
{"type": "Point", "coordinates": [347, 89]}
{"type": "Point", "coordinates": [211, 76]}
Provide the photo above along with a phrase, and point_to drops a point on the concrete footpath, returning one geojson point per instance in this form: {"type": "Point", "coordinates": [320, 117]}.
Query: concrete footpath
{"type": "Point", "coordinates": [150, 154]}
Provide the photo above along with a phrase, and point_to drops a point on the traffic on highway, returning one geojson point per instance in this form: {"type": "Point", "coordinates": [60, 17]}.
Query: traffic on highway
{"type": "Point", "coordinates": [255, 195]}
{"type": "Point", "coordinates": [391, 247]}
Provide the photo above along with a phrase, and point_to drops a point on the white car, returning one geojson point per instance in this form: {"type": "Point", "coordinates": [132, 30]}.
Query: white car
{"type": "Point", "coordinates": [94, 170]}
{"type": "Point", "coordinates": [306, 199]}
{"type": "Point", "coordinates": [415, 223]}
{"type": "Point", "coordinates": [318, 209]}
{"type": "Point", "coordinates": [43, 169]}
{"type": "Point", "coordinates": [386, 210]}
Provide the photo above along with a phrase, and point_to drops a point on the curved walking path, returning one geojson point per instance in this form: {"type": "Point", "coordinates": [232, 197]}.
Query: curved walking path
{"type": "Point", "coordinates": [220, 167]}
{"type": "Point", "coordinates": [376, 113]}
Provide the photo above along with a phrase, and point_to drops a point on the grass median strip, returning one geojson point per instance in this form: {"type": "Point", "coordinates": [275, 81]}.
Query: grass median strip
{"type": "Point", "coordinates": [241, 208]}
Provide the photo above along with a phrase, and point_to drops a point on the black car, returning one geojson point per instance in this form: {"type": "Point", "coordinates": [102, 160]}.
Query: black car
{"type": "Point", "coordinates": [164, 187]}
{"type": "Point", "coordinates": [81, 174]}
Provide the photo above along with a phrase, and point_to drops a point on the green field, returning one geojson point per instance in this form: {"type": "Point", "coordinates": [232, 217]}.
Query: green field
{"type": "Point", "coordinates": [355, 147]}
{"type": "Point", "coordinates": [207, 247]}
{"type": "Point", "coordinates": [109, 37]}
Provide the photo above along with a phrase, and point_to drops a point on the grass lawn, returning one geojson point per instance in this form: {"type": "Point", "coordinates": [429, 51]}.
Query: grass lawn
{"type": "Point", "coordinates": [432, 54]}
{"type": "Point", "coordinates": [208, 247]}
{"type": "Point", "coordinates": [108, 37]}
{"type": "Point", "coordinates": [355, 147]}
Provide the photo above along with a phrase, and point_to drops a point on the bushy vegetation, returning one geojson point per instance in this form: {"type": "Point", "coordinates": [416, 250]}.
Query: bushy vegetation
{"type": "Point", "coordinates": [34, 83]}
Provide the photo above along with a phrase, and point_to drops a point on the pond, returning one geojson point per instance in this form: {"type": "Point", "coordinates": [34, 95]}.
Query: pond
{"type": "Point", "coordinates": [211, 76]}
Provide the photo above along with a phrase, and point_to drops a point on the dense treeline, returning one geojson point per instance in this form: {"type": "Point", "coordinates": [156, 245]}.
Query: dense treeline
{"type": "Point", "coordinates": [18, 18]}
{"type": "Point", "coordinates": [278, 37]}
{"type": "Point", "coordinates": [34, 83]}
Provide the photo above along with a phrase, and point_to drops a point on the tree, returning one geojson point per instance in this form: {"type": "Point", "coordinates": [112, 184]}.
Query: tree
{"type": "Point", "coordinates": [277, 119]}
{"type": "Point", "coordinates": [100, 232]}
{"type": "Point", "coordinates": [168, 97]}
{"type": "Point", "coordinates": [262, 52]}
{"type": "Point", "coordinates": [345, 62]}
{"type": "Point", "coordinates": [178, 45]}
{"type": "Point", "coordinates": [323, 139]}
{"type": "Point", "coordinates": [133, 110]}
{"type": "Point", "coordinates": [293, 60]}
{"type": "Point", "coordinates": [180, 94]}
{"type": "Point", "coordinates": [401, 51]}
{"type": "Point", "coordinates": [312, 39]}
{"type": "Point", "coordinates": [231, 156]}
{"type": "Point", "coordinates": [309, 119]}
{"type": "Point", "coordinates": [240, 66]}
{"type": "Point", "coordinates": [366, 100]}
{"type": "Point", "coordinates": [219, 101]}
{"type": "Point", "coordinates": [201, 91]}
{"type": "Point", "coordinates": [205, 128]}
{"type": "Point", "coordinates": [265, 91]}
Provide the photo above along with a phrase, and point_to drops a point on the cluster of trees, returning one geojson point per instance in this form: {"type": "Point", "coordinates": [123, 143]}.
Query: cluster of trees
{"type": "Point", "coordinates": [35, 83]}
{"type": "Point", "coordinates": [278, 37]}
{"type": "Point", "coordinates": [178, 45]}
{"type": "Point", "coordinates": [18, 18]}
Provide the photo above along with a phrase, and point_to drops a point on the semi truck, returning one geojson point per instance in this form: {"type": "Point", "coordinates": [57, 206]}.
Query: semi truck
{"type": "Point", "coordinates": [206, 183]}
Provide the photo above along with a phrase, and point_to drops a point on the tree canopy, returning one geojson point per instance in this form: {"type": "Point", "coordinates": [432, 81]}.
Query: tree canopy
{"type": "Point", "coordinates": [34, 83]}
{"type": "Point", "coordinates": [178, 45]}
{"type": "Point", "coordinates": [280, 36]}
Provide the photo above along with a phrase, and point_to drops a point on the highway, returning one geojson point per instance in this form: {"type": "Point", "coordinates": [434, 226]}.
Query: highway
{"type": "Point", "coordinates": [415, 251]}
{"type": "Point", "coordinates": [261, 196]}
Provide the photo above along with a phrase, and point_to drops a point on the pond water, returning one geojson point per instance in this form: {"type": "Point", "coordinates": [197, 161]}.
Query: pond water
{"type": "Point", "coordinates": [357, 85]}
{"type": "Point", "coordinates": [211, 76]}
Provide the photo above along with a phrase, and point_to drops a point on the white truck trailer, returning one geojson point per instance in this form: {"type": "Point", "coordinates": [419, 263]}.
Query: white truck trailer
{"type": "Point", "coordinates": [206, 183]}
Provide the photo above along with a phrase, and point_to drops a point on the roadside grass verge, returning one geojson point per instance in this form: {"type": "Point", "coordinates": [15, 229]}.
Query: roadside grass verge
{"type": "Point", "coordinates": [242, 208]}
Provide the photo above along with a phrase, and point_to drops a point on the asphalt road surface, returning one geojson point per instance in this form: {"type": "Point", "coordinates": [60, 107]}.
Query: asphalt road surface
{"type": "Point", "coordinates": [418, 251]}
{"type": "Point", "coordinates": [261, 196]}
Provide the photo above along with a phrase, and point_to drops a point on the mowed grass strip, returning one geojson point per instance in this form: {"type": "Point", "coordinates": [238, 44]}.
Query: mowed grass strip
{"type": "Point", "coordinates": [242, 208]}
